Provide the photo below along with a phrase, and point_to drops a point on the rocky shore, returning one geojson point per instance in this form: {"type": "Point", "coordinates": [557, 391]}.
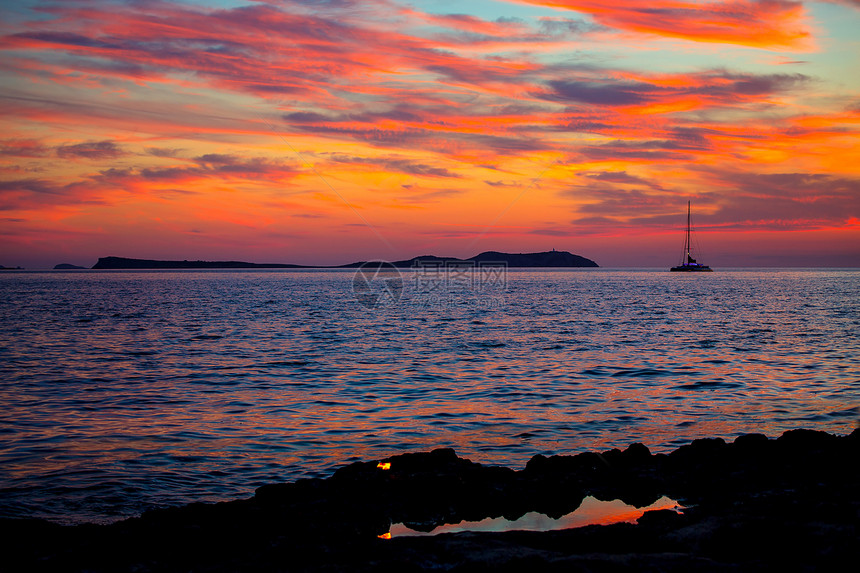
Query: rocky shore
{"type": "Point", "coordinates": [755, 504]}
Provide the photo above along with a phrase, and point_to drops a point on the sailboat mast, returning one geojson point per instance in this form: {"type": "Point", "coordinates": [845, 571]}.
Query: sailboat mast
{"type": "Point", "coordinates": [690, 264]}
{"type": "Point", "coordinates": [687, 239]}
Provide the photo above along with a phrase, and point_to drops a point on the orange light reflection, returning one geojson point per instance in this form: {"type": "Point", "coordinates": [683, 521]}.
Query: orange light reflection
{"type": "Point", "coordinates": [591, 512]}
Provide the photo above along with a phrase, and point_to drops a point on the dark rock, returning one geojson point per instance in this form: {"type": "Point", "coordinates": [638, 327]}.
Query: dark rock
{"type": "Point", "coordinates": [664, 518]}
{"type": "Point", "coordinates": [637, 453]}
{"type": "Point", "coordinates": [700, 450]}
{"type": "Point", "coordinates": [750, 442]}
{"type": "Point", "coordinates": [755, 504]}
{"type": "Point", "coordinates": [803, 438]}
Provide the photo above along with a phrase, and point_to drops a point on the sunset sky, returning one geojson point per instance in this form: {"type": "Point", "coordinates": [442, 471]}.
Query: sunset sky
{"type": "Point", "coordinates": [324, 132]}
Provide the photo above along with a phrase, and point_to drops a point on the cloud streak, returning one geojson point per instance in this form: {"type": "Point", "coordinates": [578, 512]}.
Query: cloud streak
{"type": "Point", "coordinates": [90, 150]}
{"type": "Point", "coordinates": [755, 23]}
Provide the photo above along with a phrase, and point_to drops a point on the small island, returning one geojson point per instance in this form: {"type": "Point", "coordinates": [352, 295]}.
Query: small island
{"type": "Point", "coordinates": [67, 267]}
{"type": "Point", "coordinates": [562, 259]}
{"type": "Point", "coordinates": [128, 263]}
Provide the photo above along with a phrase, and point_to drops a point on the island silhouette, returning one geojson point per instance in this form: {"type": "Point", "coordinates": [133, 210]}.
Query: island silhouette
{"type": "Point", "coordinates": [67, 267]}
{"type": "Point", "coordinates": [534, 260]}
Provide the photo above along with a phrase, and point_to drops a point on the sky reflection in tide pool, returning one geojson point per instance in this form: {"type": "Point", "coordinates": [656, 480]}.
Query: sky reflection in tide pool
{"type": "Point", "coordinates": [592, 511]}
{"type": "Point", "coordinates": [123, 391]}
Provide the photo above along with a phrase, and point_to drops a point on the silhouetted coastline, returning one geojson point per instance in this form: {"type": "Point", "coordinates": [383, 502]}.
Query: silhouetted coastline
{"type": "Point", "coordinates": [557, 259]}
{"type": "Point", "coordinates": [128, 263]}
{"type": "Point", "coordinates": [751, 505]}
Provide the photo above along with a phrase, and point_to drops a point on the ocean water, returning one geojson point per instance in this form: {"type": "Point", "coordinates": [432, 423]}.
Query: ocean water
{"type": "Point", "coordinates": [124, 391]}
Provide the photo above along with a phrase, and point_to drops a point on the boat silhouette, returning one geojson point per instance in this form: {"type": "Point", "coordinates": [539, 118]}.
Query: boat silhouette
{"type": "Point", "coordinates": [689, 264]}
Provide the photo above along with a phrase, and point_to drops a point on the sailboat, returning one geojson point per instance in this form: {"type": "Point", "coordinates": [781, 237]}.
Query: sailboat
{"type": "Point", "coordinates": [690, 265]}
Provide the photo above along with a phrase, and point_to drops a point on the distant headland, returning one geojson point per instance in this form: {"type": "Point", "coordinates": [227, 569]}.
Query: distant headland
{"type": "Point", "coordinates": [545, 259]}
{"type": "Point", "coordinates": [528, 260]}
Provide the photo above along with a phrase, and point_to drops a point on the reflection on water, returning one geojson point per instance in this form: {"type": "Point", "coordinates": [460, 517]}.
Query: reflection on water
{"type": "Point", "coordinates": [123, 391]}
{"type": "Point", "coordinates": [591, 512]}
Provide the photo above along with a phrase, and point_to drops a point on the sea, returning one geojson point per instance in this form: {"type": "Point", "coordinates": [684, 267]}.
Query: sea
{"type": "Point", "coordinates": [123, 391]}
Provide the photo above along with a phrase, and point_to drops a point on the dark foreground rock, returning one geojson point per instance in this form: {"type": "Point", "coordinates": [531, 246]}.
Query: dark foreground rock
{"type": "Point", "coordinates": [756, 504]}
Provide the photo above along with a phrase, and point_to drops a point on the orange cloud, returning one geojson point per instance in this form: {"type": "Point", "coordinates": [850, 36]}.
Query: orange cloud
{"type": "Point", "coordinates": [754, 23]}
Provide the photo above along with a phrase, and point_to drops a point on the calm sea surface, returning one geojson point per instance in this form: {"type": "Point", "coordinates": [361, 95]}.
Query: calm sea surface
{"type": "Point", "coordinates": [123, 391]}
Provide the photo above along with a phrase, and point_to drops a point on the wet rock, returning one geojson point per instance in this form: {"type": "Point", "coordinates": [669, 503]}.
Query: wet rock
{"type": "Point", "coordinates": [750, 442]}
{"type": "Point", "coordinates": [807, 439]}
{"type": "Point", "coordinates": [754, 504]}
{"type": "Point", "coordinates": [661, 518]}
{"type": "Point", "coordinates": [701, 451]}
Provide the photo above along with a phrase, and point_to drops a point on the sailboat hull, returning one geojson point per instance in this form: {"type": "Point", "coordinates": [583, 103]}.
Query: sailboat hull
{"type": "Point", "coordinates": [692, 269]}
